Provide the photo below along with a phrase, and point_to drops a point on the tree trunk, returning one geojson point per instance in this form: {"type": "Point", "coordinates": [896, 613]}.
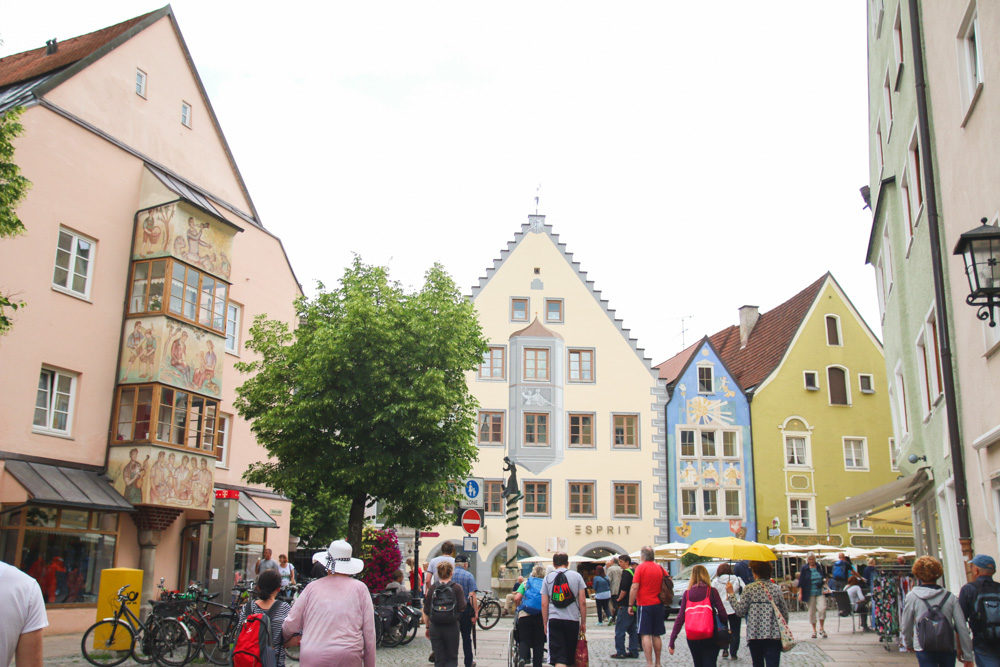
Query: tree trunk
{"type": "Point", "coordinates": [356, 521]}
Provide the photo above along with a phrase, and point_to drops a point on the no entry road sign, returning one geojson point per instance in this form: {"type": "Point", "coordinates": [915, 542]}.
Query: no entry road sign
{"type": "Point", "coordinates": [471, 521]}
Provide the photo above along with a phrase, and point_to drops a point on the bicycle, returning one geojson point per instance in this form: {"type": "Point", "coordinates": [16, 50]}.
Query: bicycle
{"type": "Point", "coordinates": [489, 609]}
{"type": "Point", "coordinates": [162, 639]}
{"type": "Point", "coordinates": [211, 636]}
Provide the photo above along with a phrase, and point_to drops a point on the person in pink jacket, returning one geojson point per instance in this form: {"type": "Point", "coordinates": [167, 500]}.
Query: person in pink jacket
{"type": "Point", "coordinates": [334, 615]}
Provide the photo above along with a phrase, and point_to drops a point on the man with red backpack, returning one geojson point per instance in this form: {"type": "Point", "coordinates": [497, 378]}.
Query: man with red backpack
{"type": "Point", "coordinates": [564, 610]}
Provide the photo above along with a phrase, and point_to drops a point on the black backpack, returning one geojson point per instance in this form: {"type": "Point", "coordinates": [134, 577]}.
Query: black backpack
{"type": "Point", "coordinates": [562, 595]}
{"type": "Point", "coordinates": [986, 619]}
{"type": "Point", "coordinates": [444, 605]}
{"type": "Point", "coordinates": [934, 629]}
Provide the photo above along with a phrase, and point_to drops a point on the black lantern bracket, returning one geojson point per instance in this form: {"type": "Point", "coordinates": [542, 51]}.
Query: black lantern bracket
{"type": "Point", "coordinates": [980, 249]}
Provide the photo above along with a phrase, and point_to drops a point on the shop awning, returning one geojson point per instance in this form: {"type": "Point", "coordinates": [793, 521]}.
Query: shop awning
{"type": "Point", "coordinates": [896, 517]}
{"type": "Point", "coordinates": [250, 513]}
{"type": "Point", "coordinates": [878, 499]}
{"type": "Point", "coordinates": [59, 485]}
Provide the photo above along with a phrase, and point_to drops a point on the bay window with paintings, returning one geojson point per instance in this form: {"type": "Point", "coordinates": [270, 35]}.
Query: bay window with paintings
{"type": "Point", "coordinates": [169, 286]}
{"type": "Point", "coordinates": [168, 416]}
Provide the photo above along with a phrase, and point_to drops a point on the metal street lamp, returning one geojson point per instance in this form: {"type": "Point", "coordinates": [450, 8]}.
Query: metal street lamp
{"type": "Point", "coordinates": [980, 248]}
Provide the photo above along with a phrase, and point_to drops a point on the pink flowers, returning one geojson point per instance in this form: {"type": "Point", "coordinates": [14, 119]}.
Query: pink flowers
{"type": "Point", "coordinates": [380, 551]}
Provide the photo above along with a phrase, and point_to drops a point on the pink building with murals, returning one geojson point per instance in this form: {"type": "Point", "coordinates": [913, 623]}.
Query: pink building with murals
{"type": "Point", "coordinates": [142, 267]}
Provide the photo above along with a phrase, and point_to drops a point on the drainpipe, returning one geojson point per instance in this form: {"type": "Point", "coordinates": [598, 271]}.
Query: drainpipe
{"type": "Point", "coordinates": [937, 269]}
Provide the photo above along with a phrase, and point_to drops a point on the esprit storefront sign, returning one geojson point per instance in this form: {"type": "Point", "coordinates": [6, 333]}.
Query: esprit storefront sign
{"type": "Point", "coordinates": [599, 529]}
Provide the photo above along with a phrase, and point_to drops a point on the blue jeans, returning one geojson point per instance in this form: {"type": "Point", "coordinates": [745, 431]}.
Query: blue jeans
{"type": "Point", "coordinates": [936, 658]}
{"type": "Point", "coordinates": [765, 652]}
{"type": "Point", "coordinates": [625, 623]}
{"type": "Point", "coordinates": [465, 629]}
{"type": "Point", "coordinates": [986, 658]}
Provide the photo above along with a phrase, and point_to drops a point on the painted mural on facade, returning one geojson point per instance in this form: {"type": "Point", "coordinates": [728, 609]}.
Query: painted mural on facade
{"type": "Point", "coordinates": [164, 350]}
{"type": "Point", "coordinates": [179, 231]}
{"type": "Point", "coordinates": [151, 475]}
{"type": "Point", "coordinates": [709, 453]}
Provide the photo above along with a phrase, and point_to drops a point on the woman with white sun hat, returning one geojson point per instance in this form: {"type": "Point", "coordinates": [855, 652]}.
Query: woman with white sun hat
{"type": "Point", "coordinates": [334, 615]}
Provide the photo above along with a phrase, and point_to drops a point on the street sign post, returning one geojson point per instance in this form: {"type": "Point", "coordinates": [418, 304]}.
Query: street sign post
{"type": "Point", "coordinates": [472, 494]}
{"type": "Point", "coordinates": [471, 520]}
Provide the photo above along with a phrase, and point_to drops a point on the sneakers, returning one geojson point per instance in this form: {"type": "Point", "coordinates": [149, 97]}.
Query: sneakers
{"type": "Point", "coordinates": [619, 656]}
{"type": "Point", "coordinates": [822, 633]}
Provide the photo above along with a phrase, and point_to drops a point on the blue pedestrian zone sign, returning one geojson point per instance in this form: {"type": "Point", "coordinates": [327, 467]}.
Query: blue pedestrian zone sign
{"type": "Point", "coordinates": [472, 496]}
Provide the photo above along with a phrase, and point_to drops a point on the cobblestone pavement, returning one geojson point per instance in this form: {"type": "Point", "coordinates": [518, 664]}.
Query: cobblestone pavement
{"type": "Point", "coordinates": [843, 648]}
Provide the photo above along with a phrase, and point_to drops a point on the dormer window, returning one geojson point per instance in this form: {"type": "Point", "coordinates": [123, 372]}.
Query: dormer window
{"type": "Point", "coordinates": [706, 381]}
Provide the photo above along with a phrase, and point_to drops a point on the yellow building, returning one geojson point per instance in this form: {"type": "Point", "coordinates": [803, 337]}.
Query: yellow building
{"type": "Point", "coordinates": [821, 424]}
{"type": "Point", "coordinates": [565, 392]}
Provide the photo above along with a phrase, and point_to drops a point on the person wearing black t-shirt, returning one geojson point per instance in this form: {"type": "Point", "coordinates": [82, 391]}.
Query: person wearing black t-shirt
{"type": "Point", "coordinates": [624, 621]}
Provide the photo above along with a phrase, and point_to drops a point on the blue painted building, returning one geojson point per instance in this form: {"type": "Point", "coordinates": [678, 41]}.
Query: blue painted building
{"type": "Point", "coordinates": [710, 479]}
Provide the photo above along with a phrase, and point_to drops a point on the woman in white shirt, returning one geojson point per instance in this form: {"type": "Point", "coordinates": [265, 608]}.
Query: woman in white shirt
{"type": "Point", "coordinates": [859, 604]}
{"type": "Point", "coordinates": [728, 584]}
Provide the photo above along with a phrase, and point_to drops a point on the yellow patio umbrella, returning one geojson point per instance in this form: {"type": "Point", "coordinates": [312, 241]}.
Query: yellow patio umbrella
{"type": "Point", "coordinates": [731, 548]}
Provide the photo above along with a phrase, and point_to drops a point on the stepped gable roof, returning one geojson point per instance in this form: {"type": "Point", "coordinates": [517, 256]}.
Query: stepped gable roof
{"type": "Point", "coordinates": [672, 368]}
{"type": "Point", "coordinates": [536, 224]}
{"type": "Point", "coordinates": [769, 339]}
{"type": "Point", "coordinates": [536, 330]}
{"type": "Point", "coordinates": [30, 64]}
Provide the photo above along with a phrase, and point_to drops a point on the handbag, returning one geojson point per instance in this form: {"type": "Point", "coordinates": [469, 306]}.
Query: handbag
{"type": "Point", "coordinates": [723, 637]}
{"type": "Point", "coordinates": [582, 657]}
{"type": "Point", "coordinates": [787, 640]}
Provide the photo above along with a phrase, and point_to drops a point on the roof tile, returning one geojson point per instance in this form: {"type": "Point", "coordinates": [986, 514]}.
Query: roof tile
{"type": "Point", "coordinates": [30, 64]}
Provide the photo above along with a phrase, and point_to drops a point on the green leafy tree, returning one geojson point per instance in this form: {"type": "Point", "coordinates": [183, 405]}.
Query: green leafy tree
{"type": "Point", "coordinates": [13, 187]}
{"type": "Point", "coordinates": [367, 400]}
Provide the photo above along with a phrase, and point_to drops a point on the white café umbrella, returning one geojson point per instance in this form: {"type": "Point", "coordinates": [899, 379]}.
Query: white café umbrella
{"type": "Point", "coordinates": [671, 548]}
{"type": "Point", "coordinates": [534, 559]}
{"type": "Point", "coordinates": [581, 559]}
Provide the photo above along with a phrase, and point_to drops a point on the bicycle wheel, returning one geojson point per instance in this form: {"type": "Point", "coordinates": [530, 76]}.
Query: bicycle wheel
{"type": "Point", "coordinates": [171, 642]}
{"type": "Point", "coordinates": [217, 640]}
{"type": "Point", "coordinates": [410, 635]}
{"type": "Point", "coordinates": [378, 629]}
{"type": "Point", "coordinates": [142, 649]}
{"type": "Point", "coordinates": [99, 642]}
{"type": "Point", "coordinates": [393, 635]}
{"type": "Point", "coordinates": [489, 615]}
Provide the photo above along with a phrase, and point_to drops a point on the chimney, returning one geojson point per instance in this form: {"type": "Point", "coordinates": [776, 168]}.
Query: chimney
{"type": "Point", "coordinates": [748, 320]}
{"type": "Point", "coordinates": [51, 46]}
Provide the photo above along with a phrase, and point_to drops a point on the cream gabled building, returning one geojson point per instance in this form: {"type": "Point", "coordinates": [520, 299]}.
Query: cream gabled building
{"type": "Point", "coordinates": [566, 393]}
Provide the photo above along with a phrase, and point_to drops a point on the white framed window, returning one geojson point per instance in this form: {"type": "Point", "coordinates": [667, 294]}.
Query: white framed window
{"type": "Point", "coordinates": [855, 453]}
{"type": "Point", "coordinates": [54, 401]}
{"type": "Point", "coordinates": [878, 15]}
{"type": "Point", "coordinates": [858, 526]}
{"type": "Point", "coordinates": [811, 380]}
{"type": "Point", "coordinates": [899, 387]}
{"type": "Point", "coordinates": [74, 263]}
{"type": "Point", "coordinates": [234, 320]}
{"type": "Point", "coordinates": [800, 514]}
{"type": "Point", "coordinates": [706, 380]}
{"type": "Point", "coordinates": [880, 286]}
{"type": "Point", "coordinates": [879, 155]}
{"type": "Point", "coordinates": [838, 388]}
{"type": "Point", "coordinates": [710, 502]}
{"type": "Point", "coordinates": [733, 503]}
{"type": "Point", "coordinates": [897, 41]}
{"type": "Point", "coordinates": [866, 382]}
{"type": "Point", "coordinates": [222, 435]}
{"type": "Point", "coordinates": [581, 365]}
{"type": "Point", "coordinates": [689, 502]}
{"type": "Point", "coordinates": [887, 106]}
{"type": "Point", "coordinates": [970, 58]}
{"type": "Point", "coordinates": [708, 444]}
{"type": "Point", "coordinates": [730, 444]}
{"type": "Point", "coordinates": [140, 83]}
{"type": "Point", "coordinates": [185, 114]}
{"type": "Point", "coordinates": [915, 187]}
{"type": "Point", "coordinates": [929, 363]}
{"type": "Point", "coordinates": [687, 443]}
{"type": "Point", "coordinates": [886, 264]}
{"type": "Point", "coordinates": [893, 455]}
{"type": "Point", "coordinates": [797, 450]}
{"type": "Point", "coordinates": [519, 309]}
{"type": "Point", "coordinates": [833, 336]}
{"type": "Point", "coordinates": [991, 336]}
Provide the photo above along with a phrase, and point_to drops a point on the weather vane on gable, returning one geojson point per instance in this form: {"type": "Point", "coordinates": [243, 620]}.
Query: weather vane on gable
{"type": "Point", "coordinates": [538, 196]}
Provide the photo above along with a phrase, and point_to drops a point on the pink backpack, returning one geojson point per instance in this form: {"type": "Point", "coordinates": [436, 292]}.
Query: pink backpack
{"type": "Point", "coordinates": [699, 619]}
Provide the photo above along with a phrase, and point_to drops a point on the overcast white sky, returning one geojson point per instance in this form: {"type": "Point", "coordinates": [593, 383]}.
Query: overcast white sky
{"type": "Point", "coordinates": [694, 156]}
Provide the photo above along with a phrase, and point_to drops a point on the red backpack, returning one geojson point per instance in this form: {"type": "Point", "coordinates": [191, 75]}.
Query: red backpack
{"type": "Point", "coordinates": [699, 619]}
{"type": "Point", "coordinates": [254, 646]}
